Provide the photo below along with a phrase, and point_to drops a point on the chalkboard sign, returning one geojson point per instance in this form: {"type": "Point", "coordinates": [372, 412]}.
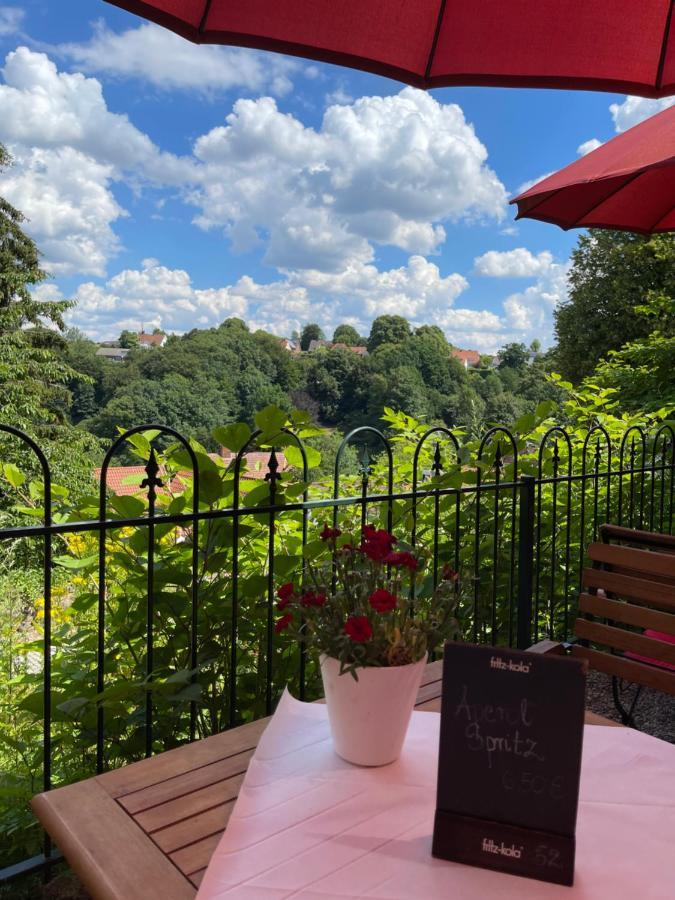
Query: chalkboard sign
{"type": "Point", "coordinates": [509, 760]}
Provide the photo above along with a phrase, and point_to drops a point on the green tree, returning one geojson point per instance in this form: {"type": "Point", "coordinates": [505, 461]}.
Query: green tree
{"type": "Point", "coordinates": [129, 340]}
{"type": "Point", "coordinates": [311, 332]}
{"type": "Point", "coordinates": [513, 356]}
{"type": "Point", "coordinates": [347, 334]}
{"type": "Point", "coordinates": [33, 374]}
{"type": "Point", "coordinates": [388, 330]}
{"type": "Point", "coordinates": [613, 275]}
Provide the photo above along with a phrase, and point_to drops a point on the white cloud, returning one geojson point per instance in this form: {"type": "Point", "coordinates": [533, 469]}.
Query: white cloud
{"type": "Point", "coordinates": [517, 263]}
{"type": "Point", "coordinates": [636, 109]}
{"type": "Point", "coordinates": [11, 19]}
{"type": "Point", "coordinates": [69, 206]}
{"type": "Point", "coordinates": [169, 62]}
{"type": "Point", "coordinates": [588, 146]}
{"type": "Point", "coordinates": [529, 313]}
{"type": "Point", "coordinates": [388, 170]}
{"type": "Point", "coordinates": [68, 150]}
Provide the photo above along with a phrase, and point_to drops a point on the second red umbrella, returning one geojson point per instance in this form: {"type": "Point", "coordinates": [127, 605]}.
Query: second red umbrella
{"type": "Point", "coordinates": [627, 184]}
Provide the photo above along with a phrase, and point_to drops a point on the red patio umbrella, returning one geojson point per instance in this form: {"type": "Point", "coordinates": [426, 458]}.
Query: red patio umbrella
{"type": "Point", "coordinates": [627, 184]}
{"type": "Point", "coordinates": [605, 45]}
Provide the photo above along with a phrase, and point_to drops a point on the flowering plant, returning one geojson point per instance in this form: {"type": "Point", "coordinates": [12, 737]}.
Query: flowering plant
{"type": "Point", "coordinates": [370, 604]}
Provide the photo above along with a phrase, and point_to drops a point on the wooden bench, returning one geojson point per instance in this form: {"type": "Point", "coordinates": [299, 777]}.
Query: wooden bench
{"type": "Point", "coordinates": [147, 831]}
{"type": "Point", "coordinates": [625, 609]}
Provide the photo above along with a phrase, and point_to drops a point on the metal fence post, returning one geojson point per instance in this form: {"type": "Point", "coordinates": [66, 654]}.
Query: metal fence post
{"type": "Point", "coordinates": [525, 560]}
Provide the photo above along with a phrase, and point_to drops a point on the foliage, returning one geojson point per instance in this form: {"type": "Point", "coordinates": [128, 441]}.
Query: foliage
{"type": "Point", "coordinates": [613, 275]}
{"type": "Point", "coordinates": [347, 334]}
{"type": "Point", "coordinates": [388, 330]}
{"type": "Point", "coordinates": [32, 373]}
{"type": "Point", "coordinates": [311, 332]}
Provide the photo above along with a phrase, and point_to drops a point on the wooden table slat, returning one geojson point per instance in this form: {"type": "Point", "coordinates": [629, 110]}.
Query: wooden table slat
{"type": "Point", "coordinates": [188, 805]}
{"type": "Point", "coordinates": [186, 783]}
{"type": "Point", "coordinates": [195, 856]}
{"type": "Point", "coordinates": [187, 831]}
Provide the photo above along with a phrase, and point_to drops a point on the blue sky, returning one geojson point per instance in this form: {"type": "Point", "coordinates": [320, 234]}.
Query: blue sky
{"type": "Point", "coordinates": [172, 185]}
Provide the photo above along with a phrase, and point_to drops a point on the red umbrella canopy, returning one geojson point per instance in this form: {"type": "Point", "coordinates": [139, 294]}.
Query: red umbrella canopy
{"type": "Point", "coordinates": [627, 184]}
{"type": "Point", "coordinates": [607, 45]}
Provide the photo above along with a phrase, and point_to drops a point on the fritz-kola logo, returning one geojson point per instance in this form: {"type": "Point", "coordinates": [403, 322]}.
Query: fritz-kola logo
{"type": "Point", "coordinates": [508, 665]}
{"type": "Point", "coordinates": [490, 846]}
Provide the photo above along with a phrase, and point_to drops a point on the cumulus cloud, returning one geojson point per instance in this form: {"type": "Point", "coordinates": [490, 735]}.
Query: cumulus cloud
{"type": "Point", "coordinates": [517, 263]}
{"type": "Point", "coordinates": [169, 62]}
{"type": "Point", "coordinates": [68, 151]}
{"type": "Point", "coordinates": [70, 207]}
{"type": "Point", "coordinates": [387, 170]}
{"type": "Point", "coordinates": [634, 110]}
{"type": "Point", "coordinates": [588, 146]}
{"type": "Point", "coordinates": [11, 19]}
{"type": "Point", "coordinates": [162, 297]}
{"type": "Point", "coordinates": [529, 313]}
{"type": "Point", "coordinates": [157, 296]}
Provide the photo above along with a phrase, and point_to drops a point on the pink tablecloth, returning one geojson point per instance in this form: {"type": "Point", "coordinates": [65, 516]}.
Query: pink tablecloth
{"type": "Point", "coordinates": [308, 825]}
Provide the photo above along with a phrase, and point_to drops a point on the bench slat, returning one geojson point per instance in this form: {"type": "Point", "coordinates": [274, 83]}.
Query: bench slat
{"type": "Point", "coordinates": [629, 669]}
{"type": "Point", "coordinates": [656, 593]}
{"type": "Point", "coordinates": [647, 562]}
{"type": "Point", "coordinates": [621, 639]}
{"type": "Point", "coordinates": [618, 611]}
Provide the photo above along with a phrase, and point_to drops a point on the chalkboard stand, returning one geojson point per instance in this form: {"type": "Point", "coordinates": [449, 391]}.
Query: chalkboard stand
{"type": "Point", "coordinates": [506, 848]}
{"type": "Point", "coordinates": [509, 761]}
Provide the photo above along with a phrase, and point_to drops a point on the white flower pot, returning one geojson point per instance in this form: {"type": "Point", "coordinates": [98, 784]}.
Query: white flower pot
{"type": "Point", "coordinates": [369, 717]}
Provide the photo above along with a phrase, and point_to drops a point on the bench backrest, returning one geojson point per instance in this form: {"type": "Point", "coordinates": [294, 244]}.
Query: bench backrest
{"type": "Point", "coordinates": [627, 608]}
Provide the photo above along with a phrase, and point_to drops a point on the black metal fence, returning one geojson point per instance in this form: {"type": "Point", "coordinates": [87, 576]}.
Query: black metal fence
{"type": "Point", "coordinates": [512, 516]}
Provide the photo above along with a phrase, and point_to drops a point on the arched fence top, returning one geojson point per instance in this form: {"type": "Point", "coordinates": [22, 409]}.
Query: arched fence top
{"type": "Point", "coordinates": [666, 433]}
{"type": "Point", "coordinates": [348, 439]}
{"type": "Point", "coordinates": [488, 438]}
{"type": "Point", "coordinates": [558, 431]}
{"type": "Point", "coordinates": [44, 465]}
{"type": "Point", "coordinates": [272, 475]}
{"type": "Point", "coordinates": [438, 429]}
{"type": "Point", "coordinates": [596, 431]}
{"type": "Point", "coordinates": [152, 481]}
{"type": "Point", "coordinates": [631, 432]}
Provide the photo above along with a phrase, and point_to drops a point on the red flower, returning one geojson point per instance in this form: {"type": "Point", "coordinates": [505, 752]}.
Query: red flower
{"type": "Point", "coordinates": [376, 543]}
{"type": "Point", "coordinates": [382, 601]}
{"type": "Point", "coordinates": [359, 629]}
{"type": "Point", "coordinates": [283, 623]}
{"type": "Point", "coordinates": [347, 548]}
{"type": "Point", "coordinates": [402, 559]}
{"type": "Point", "coordinates": [329, 534]}
{"type": "Point", "coordinates": [449, 573]}
{"type": "Point", "coordinates": [282, 604]}
{"type": "Point", "coordinates": [312, 598]}
{"type": "Point", "coordinates": [285, 591]}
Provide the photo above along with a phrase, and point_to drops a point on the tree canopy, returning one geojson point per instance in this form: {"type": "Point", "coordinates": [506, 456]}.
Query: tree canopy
{"type": "Point", "coordinates": [613, 275]}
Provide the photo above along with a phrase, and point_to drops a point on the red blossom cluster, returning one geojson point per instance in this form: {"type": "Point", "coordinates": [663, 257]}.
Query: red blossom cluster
{"type": "Point", "coordinates": [382, 601]}
{"type": "Point", "coordinates": [329, 534]}
{"type": "Point", "coordinates": [359, 629]}
{"type": "Point", "coordinates": [377, 545]}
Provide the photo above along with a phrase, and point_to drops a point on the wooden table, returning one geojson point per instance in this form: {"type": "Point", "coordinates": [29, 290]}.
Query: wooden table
{"type": "Point", "coordinates": [147, 831]}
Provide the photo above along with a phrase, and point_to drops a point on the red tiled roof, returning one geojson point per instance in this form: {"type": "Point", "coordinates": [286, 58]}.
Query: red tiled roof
{"type": "Point", "coordinates": [470, 357]}
{"type": "Point", "coordinates": [125, 481]}
{"type": "Point", "coordinates": [155, 339]}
